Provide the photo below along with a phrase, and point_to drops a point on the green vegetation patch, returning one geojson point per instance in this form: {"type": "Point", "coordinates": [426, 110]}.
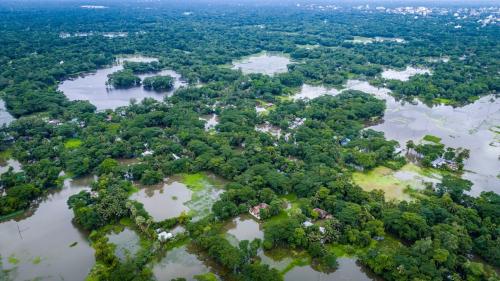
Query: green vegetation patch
{"type": "Point", "coordinates": [72, 143]}
{"type": "Point", "coordinates": [432, 138]}
{"type": "Point", "coordinates": [37, 260]}
{"type": "Point", "coordinates": [206, 277]}
{"type": "Point", "coordinates": [13, 260]}
{"type": "Point", "coordinates": [195, 182]}
{"type": "Point", "coordinates": [399, 185]}
{"type": "Point", "coordinates": [5, 155]}
{"type": "Point", "coordinates": [382, 178]}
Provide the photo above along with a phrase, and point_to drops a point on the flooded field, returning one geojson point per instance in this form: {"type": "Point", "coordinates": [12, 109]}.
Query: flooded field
{"type": "Point", "coordinates": [244, 227]}
{"type": "Point", "coordinates": [278, 258]}
{"type": "Point", "coordinates": [348, 270]}
{"type": "Point", "coordinates": [5, 117]}
{"type": "Point", "coordinates": [474, 126]}
{"type": "Point", "coordinates": [311, 92]}
{"type": "Point", "coordinates": [171, 198]}
{"type": "Point", "coordinates": [471, 127]}
{"type": "Point", "coordinates": [92, 87]}
{"type": "Point", "coordinates": [127, 243]}
{"type": "Point", "coordinates": [165, 200]}
{"type": "Point", "coordinates": [395, 183]}
{"type": "Point", "coordinates": [404, 75]}
{"type": "Point", "coordinates": [265, 63]}
{"type": "Point", "coordinates": [43, 244]}
{"type": "Point", "coordinates": [181, 262]}
{"type": "Point", "coordinates": [274, 131]}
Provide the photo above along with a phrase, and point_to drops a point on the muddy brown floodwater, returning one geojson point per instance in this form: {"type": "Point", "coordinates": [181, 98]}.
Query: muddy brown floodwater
{"type": "Point", "coordinates": [44, 244]}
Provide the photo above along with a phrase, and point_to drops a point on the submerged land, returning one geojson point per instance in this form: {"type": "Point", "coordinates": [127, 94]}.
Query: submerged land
{"type": "Point", "coordinates": [163, 141]}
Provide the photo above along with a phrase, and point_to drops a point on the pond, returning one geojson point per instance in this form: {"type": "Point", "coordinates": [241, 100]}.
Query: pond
{"type": "Point", "coordinates": [348, 269]}
{"type": "Point", "coordinates": [5, 117]}
{"type": "Point", "coordinates": [404, 75]}
{"type": "Point", "coordinates": [92, 87]}
{"type": "Point", "coordinates": [44, 243]}
{"type": "Point", "coordinates": [244, 227]}
{"type": "Point", "coordinates": [183, 261]}
{"type": "Point", "coordinates": [265, 63]}
{"type": "Point", "coordinates": [127, 243]}
{"type": "Point", "coordinates": [171, 198]}
{"type": "Point", "coordinates": [165, 200]}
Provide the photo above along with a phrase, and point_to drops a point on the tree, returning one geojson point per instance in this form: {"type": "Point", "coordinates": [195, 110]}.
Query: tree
{"type": "Point", "coordinates": [158, 83]}
{"type": "Point", "coordinates": [123, 79]}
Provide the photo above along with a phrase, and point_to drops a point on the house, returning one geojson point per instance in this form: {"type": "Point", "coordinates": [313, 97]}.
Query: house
{"type": "Point", "coordinates": [55, 122]}
{"type": "Point", "coordinates": [255, 210]}
{"type": "Point", "coordinates": [345, 141]}
{"type": "Point", "coordinates": [442, 162]}
{"type": "Point", "coordinates": [322, 214]}
{"type": "Point", "coordinates": [164, 236]}
{"type": "Point", "coordinates": [307, 224]}
{"type": "Point", "coordinates": [147, 153]}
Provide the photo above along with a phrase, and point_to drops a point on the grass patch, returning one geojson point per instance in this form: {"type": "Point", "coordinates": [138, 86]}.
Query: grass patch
{"type": "Point", "coordinates": [206, 277]}
{"type": "Point", "coordinates": [443, 101]}
{"type": "Point", "coordinates": [195, 182]}
{"type": "Point", "coordinates": [11, 215]}
{"type": "Point", "coordinates": [432, 138]}
{"type": "Point", "coordinates": [5, 155]}
{"type": "Point", "coordinates": [281, 216]}
{"type": "Point", "coordinates": [72, 143]}
{"type": "Point", "coordinates": [126, 222]}
{"type": "Point", "coordinates": [133, 190]}
{"type": "Point", "coordinates": [381, 178]}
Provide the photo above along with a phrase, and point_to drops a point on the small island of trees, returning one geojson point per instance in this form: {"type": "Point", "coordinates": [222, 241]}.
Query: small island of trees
{"type": "Point", "coordinates": [123, 79]}
{"type": "Point", "coordinates": [159, 83]}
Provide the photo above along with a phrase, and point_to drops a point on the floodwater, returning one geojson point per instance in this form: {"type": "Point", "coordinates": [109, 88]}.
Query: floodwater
{"type": "Point", "coordinates": [127, 243]}
{"type": "Point", "coordinates": [277, 258]}
{"type": "Point", "coordinates": [311, 92]}
{"type": "Point", "coordinates": [92, 87]}
{"type": "Point", "coordinates": [474, 127]}
{"type": "Point", "coordinates": [180, 262]}
{"type": "Point", "coordinates": [274, 131]}
{"type": "Point", "coordinates": [5, 117]}
{"type": "Point", "coordinates": [368, 40]}
{"type": "Point", "coordinates": [170, 199]}
{"type": "Point", "coordinates": [265, 63]}
{"type": "Point", "coordinates": [404, 75]}
{"type": "Point", "coordinates": [44, 243]}
{"type": "Point", "coordinates": [245, 227]}
{"type": "Point", "coordinates": [210, 121]}
{"type": "Point", "coordinates": [5, 165]}
{"type": "Point", "coordinates": [165, 200]}
{"type": "Point", "coordinates": [348, 269]}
